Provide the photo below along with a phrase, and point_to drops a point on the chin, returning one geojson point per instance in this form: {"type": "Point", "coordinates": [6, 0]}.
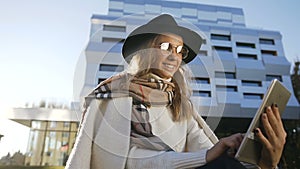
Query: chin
{"type": "Point", "coordinates": [167, 76]}
{"type": "Point", "coordinates": [164, 74]}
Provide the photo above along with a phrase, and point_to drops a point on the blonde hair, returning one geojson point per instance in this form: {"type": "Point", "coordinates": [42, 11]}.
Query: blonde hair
{"type": "Point", "coordinates": [140, 65]}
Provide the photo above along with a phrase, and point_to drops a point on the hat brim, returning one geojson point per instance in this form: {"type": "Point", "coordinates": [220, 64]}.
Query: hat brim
{"type": "Point", "coordinates": [144, 33]}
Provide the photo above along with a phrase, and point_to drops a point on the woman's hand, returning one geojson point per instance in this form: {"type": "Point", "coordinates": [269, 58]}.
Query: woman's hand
{"type": "Point", "coordinates": [227, 143]}
{"type": "Point", "coordinates": [273, 139]}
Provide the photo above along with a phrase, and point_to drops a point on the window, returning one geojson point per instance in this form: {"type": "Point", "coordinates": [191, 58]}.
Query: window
{"type": "Point", "coordinates": [266, 41]}
{"type": "Point", "coordinates": [49, 153]}
{"type": "Point", "coordinates": [114, 28]}
{"type": "Point", "coordinates": [53, 124]}
{"type": "Point", "coordinates": [111, 68]}
{"type": "Point", "coordinates": [247, 56]}
{"type": "Point", "coordinates": [113, 40]}
{"type": "Point", "coordinates": [271, 77]}
{"type": "Point", "coordinates": [226, 88]}
{"type": "Point", "coordinates": [253, 96]}
{"type": "Point", "coordinates": [66, 124]}
{"type": "Point", "coordinates": [35, 124]}
{"type": "Point", "coordinates": [245, 45]}
{"type": "Point", "coordinates": [202, 53]}
{"type": "Point", "coordinates": [65, 134]}
{"type": "Point", "coordinates": [201, 93]}
{"type": "Point", "coordinates": [220, 37]}
{"type": "Point", "coordinates": [223, 48]}
{"type": "Point", "coordinates": [227, 75]}
{"type": "Point", "coordinates": [269, 52]}
{"type": "Point", "coordinates": [52, 134]}
{"type": "Point", "coordinates": [189, 17]}
{"type": "Point", "coordinates": [100, 80]}
{"type": "Point", "coordinates": [251, 83]}
{"type": "Point", "coordinates": [201, 80]}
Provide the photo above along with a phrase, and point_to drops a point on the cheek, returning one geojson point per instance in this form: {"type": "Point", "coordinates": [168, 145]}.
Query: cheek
{"type": "Point", "coordinates": [179, 62]}
{"type": "Point", "coordinates": [157, 62]}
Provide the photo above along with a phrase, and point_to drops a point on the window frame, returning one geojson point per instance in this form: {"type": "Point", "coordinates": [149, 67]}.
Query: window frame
{"type": "Point", "coordinates": [215, 36]}
{"type": "Point", "coordinates": [114, 28]}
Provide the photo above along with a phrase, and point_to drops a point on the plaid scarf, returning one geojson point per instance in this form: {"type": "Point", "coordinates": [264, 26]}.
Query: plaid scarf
{"type": "Point", "coordinates": [146, 91]}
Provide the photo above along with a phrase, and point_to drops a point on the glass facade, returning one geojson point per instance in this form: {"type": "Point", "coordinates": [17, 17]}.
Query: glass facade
{"type": "Point", "coordinates": [50, 142]}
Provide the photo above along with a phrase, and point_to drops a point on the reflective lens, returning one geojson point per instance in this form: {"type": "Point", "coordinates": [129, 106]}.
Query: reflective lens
{"type": "Point", "coordinates": [168, 49]}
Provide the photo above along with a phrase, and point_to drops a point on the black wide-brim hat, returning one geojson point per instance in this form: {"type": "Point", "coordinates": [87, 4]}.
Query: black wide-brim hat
{"type": "Point", "coordinates": [160, 25]}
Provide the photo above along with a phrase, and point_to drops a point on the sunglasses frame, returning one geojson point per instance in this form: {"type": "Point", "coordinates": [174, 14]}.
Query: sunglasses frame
{"type": "Point", "coordinates": [170, 48]}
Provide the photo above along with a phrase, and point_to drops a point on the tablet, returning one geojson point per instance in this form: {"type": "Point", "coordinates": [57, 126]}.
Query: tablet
{"type": "Point", "coordinates": [250, 148]}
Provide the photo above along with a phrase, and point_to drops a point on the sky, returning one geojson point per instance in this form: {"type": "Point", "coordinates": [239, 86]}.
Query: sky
{"type": "Point", "coordinates": [41, 41]}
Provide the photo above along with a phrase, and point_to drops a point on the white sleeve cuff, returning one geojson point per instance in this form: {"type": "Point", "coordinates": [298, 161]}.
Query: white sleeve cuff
{"type": "Point", "coordinates": [188, 159]}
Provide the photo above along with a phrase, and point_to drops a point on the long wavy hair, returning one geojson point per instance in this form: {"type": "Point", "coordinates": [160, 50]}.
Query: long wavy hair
{"type": "Point", "coordinates": [140, 65]}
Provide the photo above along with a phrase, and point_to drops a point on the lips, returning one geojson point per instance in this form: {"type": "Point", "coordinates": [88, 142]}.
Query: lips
{"type": "Point", "coordinates": [169, 66]}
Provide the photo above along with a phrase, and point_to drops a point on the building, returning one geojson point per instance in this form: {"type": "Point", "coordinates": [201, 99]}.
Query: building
{"type": "Point", "coordinates": [296, 80]}
{"type": "Point", "coordinates": [52, 133]}
{"type": "Point", "coordinates": [232, 71]}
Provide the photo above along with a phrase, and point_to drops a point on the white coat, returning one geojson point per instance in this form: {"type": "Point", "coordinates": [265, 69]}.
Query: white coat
{"type": "Point", "coordinates": [104, 138]}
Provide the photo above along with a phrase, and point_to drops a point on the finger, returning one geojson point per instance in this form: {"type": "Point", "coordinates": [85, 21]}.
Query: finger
{"type": "Point", "coordinates": [279, 125]}
{"type": "Point", "coordinates": [243, 135]}
{"type": "Point", "coordinates": [233, 148]}
{"type": "Point", "coordinates": [233, 143]}
{"type": "Point", "coordinates": [280, 131]}
{"type": "Point", "coordinates": [240, 138]}
{"type": "Point", "coordinates": [267, 127]}
{"type": "Point", "coordinates": [276, 111]}
{"type": "Point", "coordinates": [264, 141]}
{"type": "Point", "coordinates": [274, 122]}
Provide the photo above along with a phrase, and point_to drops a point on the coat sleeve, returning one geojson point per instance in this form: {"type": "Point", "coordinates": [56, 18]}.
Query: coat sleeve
{"type": "Point", "coordinates": [197, 139]}
{"type": "Point", "coordinates": [206, 136]}
{"type": "Point", "coordinates": [80, 156]}
{"type": "Point", "coordinates": [199, 134]}
{"type": "Point", "coordinates": [103, 139]}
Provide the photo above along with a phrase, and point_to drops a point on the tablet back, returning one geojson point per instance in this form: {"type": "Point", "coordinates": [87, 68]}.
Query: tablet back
{"type": "Point", "coordinates": [250, 148]}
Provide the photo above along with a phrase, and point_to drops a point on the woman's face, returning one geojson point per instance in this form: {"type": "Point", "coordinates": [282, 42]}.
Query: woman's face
{"type": "Point", "coordinates": [166, 63]}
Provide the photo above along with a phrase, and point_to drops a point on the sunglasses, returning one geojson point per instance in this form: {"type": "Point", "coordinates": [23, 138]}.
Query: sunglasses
{"type": "Point", "coordinates": [167, 49]}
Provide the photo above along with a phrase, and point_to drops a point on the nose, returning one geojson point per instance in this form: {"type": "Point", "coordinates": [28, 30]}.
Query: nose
{"type": "Point", "coordinates": [174, 56]}
{"type": "Point", "coordinates": [174, 51]}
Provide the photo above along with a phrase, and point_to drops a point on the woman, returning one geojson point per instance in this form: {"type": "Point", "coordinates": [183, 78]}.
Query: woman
{"type": "Point", "coordinates": [143, 117]}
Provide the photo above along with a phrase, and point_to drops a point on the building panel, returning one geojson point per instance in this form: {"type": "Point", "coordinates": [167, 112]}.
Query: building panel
{"type": "Point", "coordinates": [231, 57]}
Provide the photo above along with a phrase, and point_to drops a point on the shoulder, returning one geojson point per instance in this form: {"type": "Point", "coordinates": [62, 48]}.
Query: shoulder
{"type": "Point", "coordinates": [96, 101]}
